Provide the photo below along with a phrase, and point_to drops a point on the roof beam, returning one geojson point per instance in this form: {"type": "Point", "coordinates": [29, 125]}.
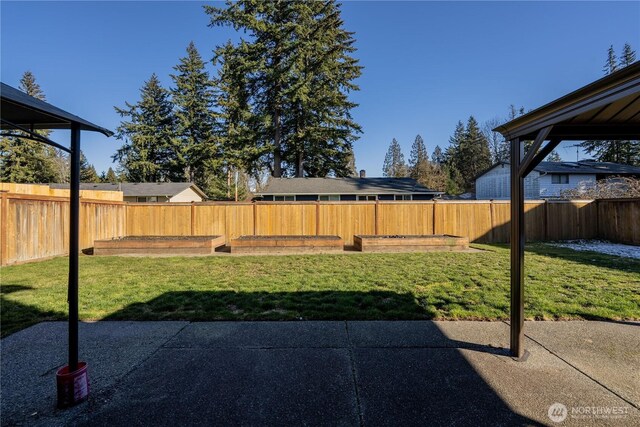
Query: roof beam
{"type": "Point", "coordinates": [32, 136]}
{"type": "Point", "coordinates": [604, 131]}
{"type": "Point", "coordinates": [526, 164]}
{"type": "Point", "coordinates": [544, 152]}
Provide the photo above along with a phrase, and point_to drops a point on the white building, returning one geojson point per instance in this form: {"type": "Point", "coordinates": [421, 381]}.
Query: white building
{"type": "Point", "coordinates": [170, 192]}
{"type": "Point", "coordinates": [549, 179]}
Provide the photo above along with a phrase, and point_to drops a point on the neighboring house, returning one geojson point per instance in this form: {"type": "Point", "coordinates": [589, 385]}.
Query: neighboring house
{"type": "Point", "coordinates": [149, 191]}
{"type": "Point", "coordinates": [345, 189]}
{"type": "Point", "coordinates": [549, 179]}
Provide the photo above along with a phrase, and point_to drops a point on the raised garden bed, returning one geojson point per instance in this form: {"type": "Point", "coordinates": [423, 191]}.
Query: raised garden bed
{"type": "Point", "coordinates": [407, 243]}
{"type": "Point", "coordinates": [288, 244]}
{"type": "Point", "coordinates": [154, 245]}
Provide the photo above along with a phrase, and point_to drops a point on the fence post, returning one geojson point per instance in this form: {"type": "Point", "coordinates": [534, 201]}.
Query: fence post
{"type": "Point", "coordinates": [545, 221]}
{"type": "Point", "coordinates": [493, 226]}
{"type": "Point", "coordinates": [317, 217]}
{"type": "Point", "coordinates": [255, 217]}
{"type": "Point", "coordinates": [433, 218]}
{"type": "Point", "coordinates": [4, 205]}
{"type": "Point", "coordinates": [193, 217]}
{"type": "Point", "coordinates": [376, 218]}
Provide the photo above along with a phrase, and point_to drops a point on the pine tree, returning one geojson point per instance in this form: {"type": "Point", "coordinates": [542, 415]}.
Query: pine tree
{"type": "Point", "coordinates": [199, 152]}
{"type": "Point", "coordinates": [150, 149]}
{"type": "Point", "coordinates": [418, 153]}
{"type": "Point", "coordinates": [611, 65]}
{"type": "Point", "coordinates": [87, 171]}
{"type": "Point", "coordinates": [298, 72]}
{"type": "Point", "coordinates": [23, 160]}
{"type": "Point", "coordinates": [628, 56]}
{"type": "Point", "coordinates": [475, 156]}
{"type": "Point", "coordinates": [437, 157]}
{"type": "Point", "coordinates": [238, 130]}
{"type": "Point", "coordinates": [452, 160]}
{"type": "Point", "coordinates": [110, 177]}
{"type": "Point", "coordinates": [394, 165]}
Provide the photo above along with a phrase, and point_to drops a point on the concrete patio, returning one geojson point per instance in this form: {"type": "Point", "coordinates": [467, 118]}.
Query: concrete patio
{"type": "Point", "coordinates": [328, 373]}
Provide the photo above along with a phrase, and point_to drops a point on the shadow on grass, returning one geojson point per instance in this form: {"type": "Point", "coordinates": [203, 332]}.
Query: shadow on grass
{"type": "Point", "coordinates": [595, 259]}
{"type": "Point", "coordinates": [15, 316]}
{"type": "Point", "coordinates": [229, 305]}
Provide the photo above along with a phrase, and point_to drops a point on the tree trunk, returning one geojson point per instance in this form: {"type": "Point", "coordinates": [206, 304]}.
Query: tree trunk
{"type": "Point", "coordinates": [277, 154]}
{"type": "Point", "coordinates": [300, 165]}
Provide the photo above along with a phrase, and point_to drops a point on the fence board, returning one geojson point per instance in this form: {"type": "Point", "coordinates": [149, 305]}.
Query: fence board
{"type": "Point", "coordinates": [619, 220]}
{"type": "Point", "coordinates": [405, 218]}
{"type": "Point", "coordinates": [346, 219]}
{"type": "Point", "coordinates": [158, 219]}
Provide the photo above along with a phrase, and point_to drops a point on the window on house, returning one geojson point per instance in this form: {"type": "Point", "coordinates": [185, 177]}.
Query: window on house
{"type": "Point", "coordinates": [330, 198]}
{"type": "Point", "coordinates": [284, 198]}
{"type": "Point", "coordinates": [559, 178]}
{"type": "Point", "coordinates": [371, 198]}
{"type": "Point", "coordinates": [403, 196]}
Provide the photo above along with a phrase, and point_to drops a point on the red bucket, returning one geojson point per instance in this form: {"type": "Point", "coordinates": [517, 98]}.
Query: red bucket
{"type": "Point", "coordinates": [73, 387]}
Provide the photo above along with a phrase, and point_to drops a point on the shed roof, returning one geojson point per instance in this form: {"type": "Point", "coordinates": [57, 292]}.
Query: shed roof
{"type": "Point", "coordinates": [31, 113]}
{"type": "Point", "coordinates": [345, 186]}
{"type": "Point", "coordinates": [135, 189]}
{"type": "Point", "coordinates": [608, 108]}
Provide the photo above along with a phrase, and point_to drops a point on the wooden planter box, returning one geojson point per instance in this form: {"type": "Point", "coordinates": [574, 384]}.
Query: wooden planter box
{"type": "Point", "coordinates": [407, 243]}
{"type": "Point", "coordinates": [154, 245]}
{"type": "Point", "coordinates": [287, 244]}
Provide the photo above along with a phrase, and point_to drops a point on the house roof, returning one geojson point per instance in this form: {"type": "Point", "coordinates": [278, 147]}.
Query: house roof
{"type": "Point", "coordinates": [141, 189]}
{"type": "Point", "coordinates": [580, 168]}
{"type": "Point", "coordinates": [319, 186]}
{"type": "Point", "coordinates": [29, 112]}
{"type": "Point", "coordinates": [608, 109]}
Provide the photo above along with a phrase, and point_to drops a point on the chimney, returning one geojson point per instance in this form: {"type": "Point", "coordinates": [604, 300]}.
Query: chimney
{"type": "Point", "coordinates": [363, 173]}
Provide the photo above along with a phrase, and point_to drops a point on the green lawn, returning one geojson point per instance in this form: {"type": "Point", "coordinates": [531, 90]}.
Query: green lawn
{"type": "Point", "coordinates": [561, 284]}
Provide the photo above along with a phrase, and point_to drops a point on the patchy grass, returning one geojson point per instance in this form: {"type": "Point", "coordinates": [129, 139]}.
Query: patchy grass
{"type": "Point", "coordinates": [561, 284]}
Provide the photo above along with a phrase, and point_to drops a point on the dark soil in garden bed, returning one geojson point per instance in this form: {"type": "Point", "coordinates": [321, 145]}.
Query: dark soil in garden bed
{"type": "Point", "coordinates": [168, 238]}
{"type": "Point", "coordinates": [288, 238]}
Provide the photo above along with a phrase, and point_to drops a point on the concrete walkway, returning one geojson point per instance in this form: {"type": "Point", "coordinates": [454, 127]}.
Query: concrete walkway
{"type": "Point", "coordinates": [328, 373]}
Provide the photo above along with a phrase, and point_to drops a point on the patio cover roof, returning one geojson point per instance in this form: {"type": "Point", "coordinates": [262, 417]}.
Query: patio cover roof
{"type": "Point", "coordinates": [608, 108]}
{"type": "Point", "coordinates": [24, 113]}
{"type": "Point", "coordinates": [28, 112]}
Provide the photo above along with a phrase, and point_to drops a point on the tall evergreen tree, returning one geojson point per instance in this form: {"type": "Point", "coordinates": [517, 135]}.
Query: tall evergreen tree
{"type": "Point", "coordinates": [611, 64]}
{"type": "Point", "coordinates": [418, 153]}
{"type": "Point", "coordinates": [628, 56]}
{"type": "Point", "coordinates": [87, 170]}
{"type": "Point", "coordinates": [452, 160]}
{"type": "Point", "coordinates": [150, 152]}
{"type": "Point", "coordinates": [193, 98]}
{"type": "Point", "coordinates": [438, 156]}
{"type": "Point", "coordinates": [23, 160]}
{"type": "Point", "coordinates": [394, 165]}
{"type": "Point", "coordinates": [299, 71]}
{"type": "Point", "coordinates": [110, 177]}
{"type": "Point", "coordinates": [475, 156]}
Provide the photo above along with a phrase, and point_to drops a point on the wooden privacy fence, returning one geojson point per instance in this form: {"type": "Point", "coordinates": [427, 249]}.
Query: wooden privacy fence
{"type": "Point", "coordinates": [35, 227]}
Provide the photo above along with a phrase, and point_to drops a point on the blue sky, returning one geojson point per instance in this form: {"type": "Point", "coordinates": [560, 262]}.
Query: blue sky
{"type": "Point", "coordinates": [426, 64]}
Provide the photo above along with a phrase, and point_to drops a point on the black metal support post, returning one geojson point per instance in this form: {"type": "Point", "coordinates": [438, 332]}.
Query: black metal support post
{"type": "Point", "coordinates": [74, 246]}
{"type": "Point", "coordinates": [517, 249]}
